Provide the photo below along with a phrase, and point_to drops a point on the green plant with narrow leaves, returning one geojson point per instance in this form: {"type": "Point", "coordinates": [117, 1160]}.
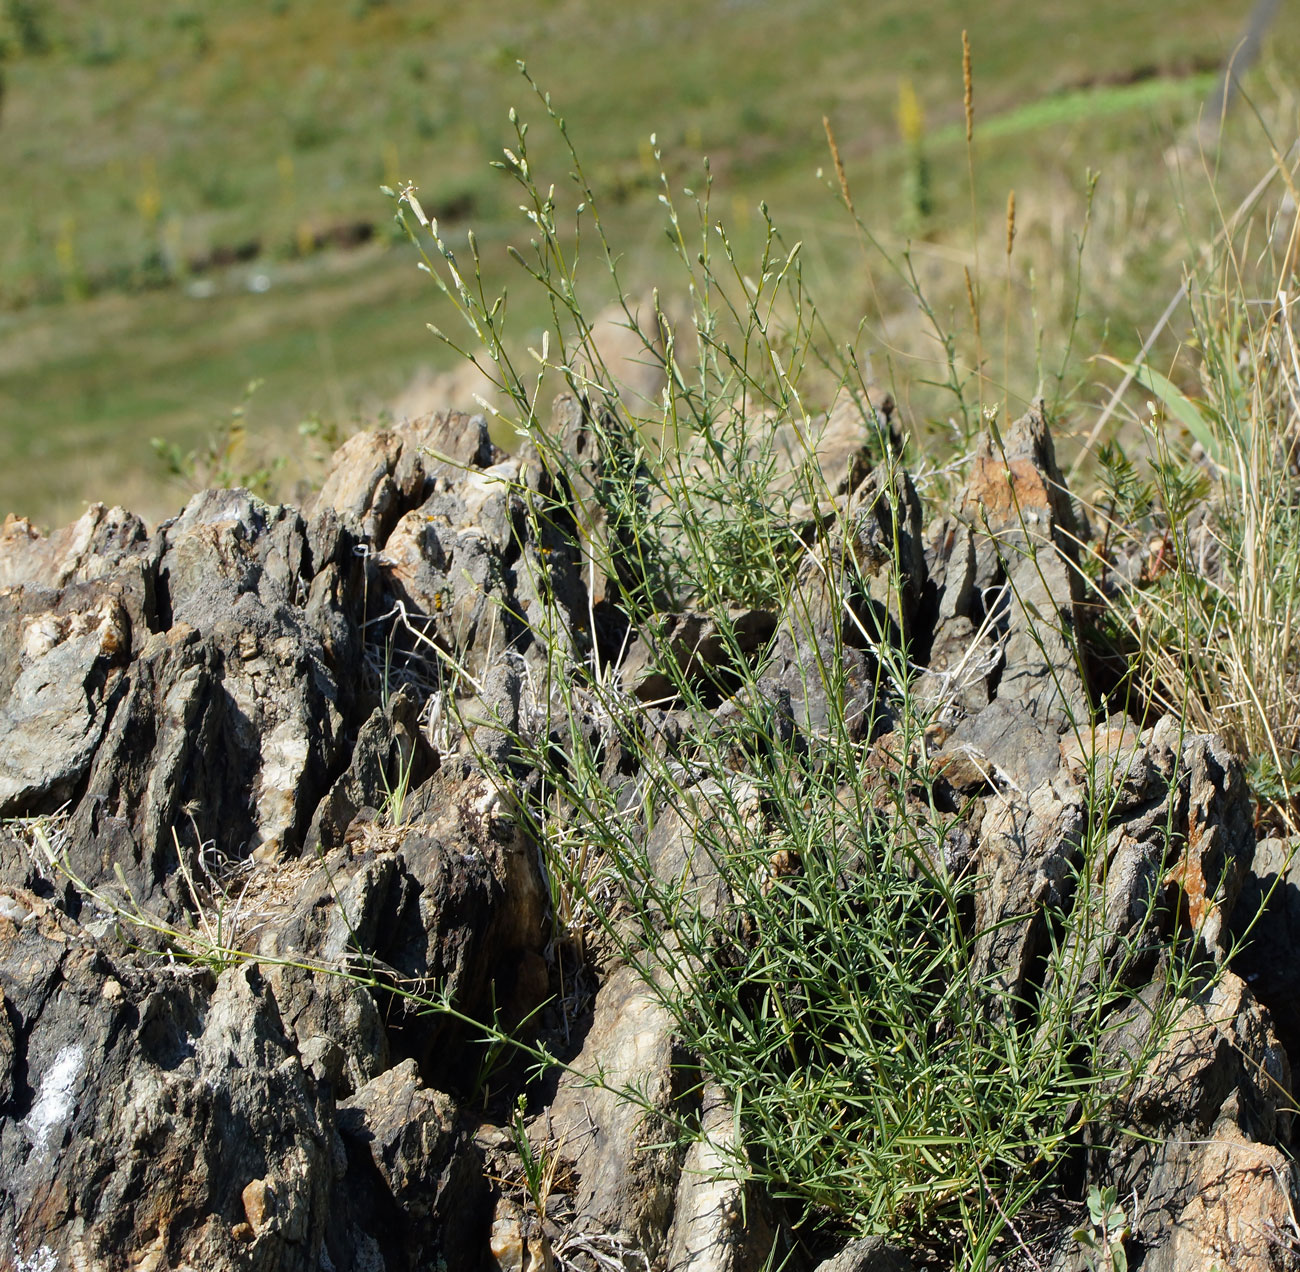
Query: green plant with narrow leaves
{"type": "Point", "coordinates": [813, 941]}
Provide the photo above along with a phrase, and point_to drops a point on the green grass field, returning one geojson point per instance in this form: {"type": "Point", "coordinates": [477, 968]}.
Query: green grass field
{"type": "Point", "coordinates": [146, 148]}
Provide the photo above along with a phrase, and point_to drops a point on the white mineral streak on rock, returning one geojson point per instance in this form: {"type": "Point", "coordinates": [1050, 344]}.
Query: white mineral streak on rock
{"type": "Point", "coordinates": [53, 1104]}
{"type": "Point", "coordinates": [41, 1260]}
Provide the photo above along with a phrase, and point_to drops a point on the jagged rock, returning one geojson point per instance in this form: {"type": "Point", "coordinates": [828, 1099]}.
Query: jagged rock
{"type": "Point", "coordinates": [867, 1254]}
{"type": "Point", "coordinates": [819, 461]}
{"type": "Point", "coordinates": [1178, 834]}
{"type": "Point", "coordinates": [681, 846]}
{"type": "Point", "coordinates": [532, 1212]}
{"type": "Point", "coordinates": [147, 769]}
{"type": "Point", "coordinates": [1025, 587]}
{"type": "Point", "coordinates": [513, 1246]}
{"type": "Point", "coordinates": [580, 479]}
{"type": "Point", "coordinates": [372, 474]}
{"type": "Point", "coordinates": [851, 594]}
{"type": "Point", "coordinates": [964, 648]}
{"type": "Point", "coordinates": [1002, 748]}
{"type": "Point", "coordinates": [434, 502]}
{"type": "Point", "coordinates": [348, 856]}
{"type": "Point", "coordinates": [718, 1221]}
{"type": "Point", "coordinates": [1113, 753]}
{"type": "Point", "coordinates": [1026, 534]}
{"type": "Point", "coordinates": [1027, 852]}
{"type": "Point", "coordinates": [699, 646]}
{"type": "Point", "coordinates": [335, 599]}
{"type": "Point", "coordinates": [493, 719]}
{"type": "Point", "coordinates": [239, 573]}
{"type": "Point", "coordinates": [410, 1137]}
{"type": "Point", "coordinates": [174, 689]}
{"type": "Point", "coordinates": [449, 561]}
{"type": "Point", "coordinates": [950, 563]}
{"type": "Point", "coordinates": [152, 1125]}
{"type": "Point", "coordinates": [74, 609]}
{"type": "Point", "coordinates": [91, 549]}
{"type": "Point", "coordinates": [886, 544]}
{"type": "Point", "coordinates": [449, 901]}
{"type": "Point", "coordinates": [480, 909]}
{"type": "Point", "coordinates": [375, 477]}
{"type": "Point", "coordinates": [336, 1025]}
{"type": "Point", "coordinates": [151, 1119]}
{"type": "Point", "coordinates": [1209, 1176]}
{"type": "Point", "coordinates": [1215, 835]}
{"type": "Point", "coordinates": [72, 660]}
{"type": "Point", "coordinates": [334, 910]}
{"type": "Point", "coordinates": [8, 1047]}
{"type": "Point", "coordinates": [477, 502]}
{"type": "Point", "coordinates": [955, 683]}
{"type": "Point", "coordinates": [552, 575]}
{"type": "Point", "coordinates": [227, 725]}
{"type": "Point", "coordinates": [696, 1213]}
{"type": "Point", "coordinates": [626, 1176]}
{"type": "Point", "coordinates": [391, 758]}
{"type": "Point", "coordinates": [479, 567]}
{"type": "Point", "coordinates": [1267, 919]}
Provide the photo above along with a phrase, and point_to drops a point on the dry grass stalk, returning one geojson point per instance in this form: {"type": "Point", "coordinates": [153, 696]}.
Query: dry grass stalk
{"type": "Point", "coordinates": [840, 174]}
{"type": "Point", "coordinates": [968, 92]}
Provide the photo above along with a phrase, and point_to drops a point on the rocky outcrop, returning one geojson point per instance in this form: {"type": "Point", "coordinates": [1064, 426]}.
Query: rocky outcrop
{"type": "Point", "coordinates": [75, 609]}
{"type": "Point", "coordinates": [1214, 1179]}
{"type": "Point", "coordinates": [268, 877]}
{"type": "Point", "coordinates": [165, 1120]}
{"type": "Point", "coordinates": [1008, 614]}
{"type": "Point", "coordinates": [180, 693]}
{"type": "Point", "coordinates": [195, 738]}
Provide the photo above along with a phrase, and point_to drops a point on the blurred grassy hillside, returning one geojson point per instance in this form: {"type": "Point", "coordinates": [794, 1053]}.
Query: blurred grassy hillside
{"type": "Point", "coordinates": [191, 190]}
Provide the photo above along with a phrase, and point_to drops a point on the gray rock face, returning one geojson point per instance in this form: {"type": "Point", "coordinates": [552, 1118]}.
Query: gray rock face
{"type": "Point", "coordinates": [1267, 918]}
{"type": "Point", "coordinates": [868, 1254]}
{"type": "Point", "coordinates": [859, 588]}
{"type": "Point", "coordinates": [74, 609]}
{"type": "Point", "coordinates": [1176, 849]}
{"type": "Point", "coordinates": [240, 574]}
{"type": "Point", "coordinates": [698, 644]}
{"type": "Point", "coordinates": [452, 527]}
{"type": "Point", "coordinates": [71, 662]}
{"type": "Point", "coordinates": [627, 1179]}
{"type": "Point", "coordinates": [719, 1224]}
{"type": "Point", "coordinates": [247, 721]}
{"type": "Point", "coordinates": [376, 477]}
{"type": "Point", "coordinates": [391, 758]}
{"type": "Point", "coordinates": [196, 697]}
{"type": "Point", "coordinates": [174, 690]}
{"type": "Point", "coordinates": [412, 1139]}
{"type": "Point", "coordinates": [448, 904]}
{"type": "Point", "coordinates": [153, 1121]}
{"type": "Point", "coordinates": [1214, 1180]}
{"type": "Point", "coordinates": [1011, 576]}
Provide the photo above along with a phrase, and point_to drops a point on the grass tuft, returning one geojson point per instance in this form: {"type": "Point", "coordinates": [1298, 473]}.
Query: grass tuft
{"type": "Point", "coordinates": [1205, 523]}
{"type": "Point", "coordinates": [774, 856]}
